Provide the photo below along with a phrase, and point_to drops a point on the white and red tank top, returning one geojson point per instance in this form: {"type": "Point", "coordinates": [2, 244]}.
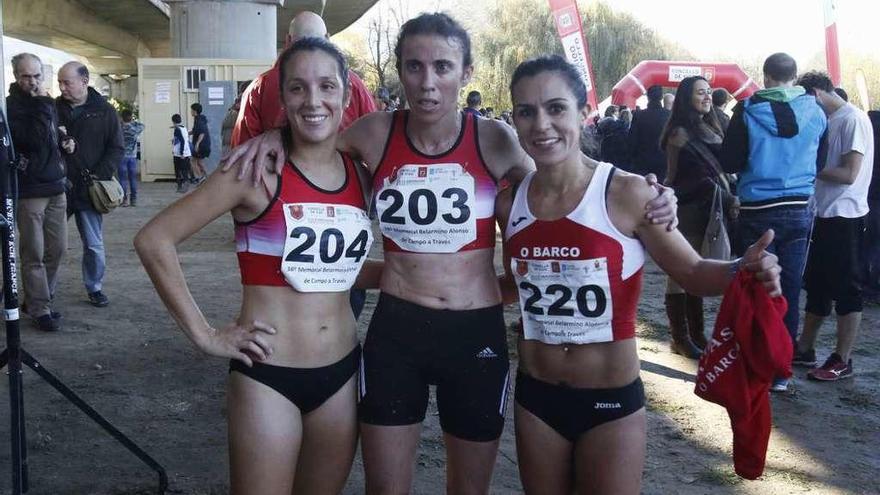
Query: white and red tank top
{"type": "Point", "coordinates": [579, 278]}
{"type": "Point", "coordinates": [309, 238]}
{"type": "Point", "coordinates": [434, 203]}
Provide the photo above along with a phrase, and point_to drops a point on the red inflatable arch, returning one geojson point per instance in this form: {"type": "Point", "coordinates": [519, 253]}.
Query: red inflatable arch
{"type": "Point", "coordinates": [669, 74]}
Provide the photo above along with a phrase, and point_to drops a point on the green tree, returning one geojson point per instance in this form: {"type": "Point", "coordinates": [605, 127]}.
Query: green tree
{"type": "Point", "coordinates": [520, 29]}
{"type": "Point", "coordinates": [850, 62]}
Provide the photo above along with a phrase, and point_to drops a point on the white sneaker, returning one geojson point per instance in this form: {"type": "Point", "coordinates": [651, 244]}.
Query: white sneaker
{"type": "Point", "coordinates": [779, 385]}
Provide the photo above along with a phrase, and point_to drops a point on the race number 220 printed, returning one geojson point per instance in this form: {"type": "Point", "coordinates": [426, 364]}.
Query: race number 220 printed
{"type": "Point", "coordinates": [564, 301]}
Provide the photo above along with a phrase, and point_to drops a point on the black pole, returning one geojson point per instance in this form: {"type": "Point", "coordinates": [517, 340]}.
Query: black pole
{"type": "Point", "coordinates": [14, 355]}
{"type": "Point", "coordinates": [10, 311]}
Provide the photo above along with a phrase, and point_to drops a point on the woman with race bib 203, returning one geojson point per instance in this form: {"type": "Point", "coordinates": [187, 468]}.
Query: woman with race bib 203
{"type": "Point", "coordinates": [574, 241]}
{"type": "Point", "coordinates": [301, 241]}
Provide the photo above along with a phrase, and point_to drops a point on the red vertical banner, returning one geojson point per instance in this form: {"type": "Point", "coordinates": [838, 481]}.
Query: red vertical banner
{"type": "Point", "coordinates": [574, 43]}
{"type": "Point", "coordinates": [832, 52]}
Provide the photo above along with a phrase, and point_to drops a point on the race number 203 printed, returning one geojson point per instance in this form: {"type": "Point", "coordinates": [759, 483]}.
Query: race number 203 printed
{"type": "Point", "coordinates": [428, 208]}
{"type": "Point", "coordinates": [565, 301]}
{"type": "Point", "coordinates": [326, 246]}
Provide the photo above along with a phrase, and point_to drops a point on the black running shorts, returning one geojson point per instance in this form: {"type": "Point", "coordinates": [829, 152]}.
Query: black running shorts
{"type": "Point", "coordinates": [834, 266]}
{"type": "Point", "coordinates": [463, 353]}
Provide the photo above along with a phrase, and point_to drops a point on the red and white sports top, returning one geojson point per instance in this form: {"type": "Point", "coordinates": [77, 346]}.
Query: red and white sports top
{"type": "Point", "coordinates": [578, 277]}
{"type": "Point", "coordinates": [309, 238]}
{"type": "Point", "coordinates": [434, 203]}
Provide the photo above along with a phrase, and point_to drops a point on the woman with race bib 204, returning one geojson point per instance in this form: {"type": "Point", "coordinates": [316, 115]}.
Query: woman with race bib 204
{"type": "Point", "coordinates": [574, 242]}
{"type": "Point", "coordinates": [301, 241]}
{"type": "Point", "coordinates": [439, 317]}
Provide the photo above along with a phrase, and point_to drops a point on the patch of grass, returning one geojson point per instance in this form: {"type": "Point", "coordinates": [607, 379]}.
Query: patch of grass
{"type": "Point", "coordinates": [715, 475]}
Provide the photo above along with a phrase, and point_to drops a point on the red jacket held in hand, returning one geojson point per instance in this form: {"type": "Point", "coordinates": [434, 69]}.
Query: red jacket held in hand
{"type": "Point", "coordinates": [749, 347]}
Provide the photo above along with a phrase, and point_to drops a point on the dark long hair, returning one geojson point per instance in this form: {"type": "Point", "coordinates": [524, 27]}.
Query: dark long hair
{"type": "Point", "coordinates": [684, 114]}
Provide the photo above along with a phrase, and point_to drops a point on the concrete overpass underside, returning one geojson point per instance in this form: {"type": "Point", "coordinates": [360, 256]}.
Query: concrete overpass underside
{"type": "Point", "coordinates": [113, 34]}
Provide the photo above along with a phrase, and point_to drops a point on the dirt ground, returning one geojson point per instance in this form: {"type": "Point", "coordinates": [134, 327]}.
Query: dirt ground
{"type": "Point", "coordinates": [132, 364]}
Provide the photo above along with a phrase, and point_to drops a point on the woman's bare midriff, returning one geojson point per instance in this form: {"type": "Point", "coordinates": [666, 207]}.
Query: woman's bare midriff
{"type": "Point", "coordinates": [313, 330]}
{"type": "Point", "coordinates": [457, 281]}
{"type": "Point", "coordinates": [605, 365]}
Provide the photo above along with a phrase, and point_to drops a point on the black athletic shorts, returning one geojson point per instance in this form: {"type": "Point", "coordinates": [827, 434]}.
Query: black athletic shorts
{"type": "Point", "coordinates": [306, 388]}
{"type": "Point", "coordinates": [834, 266]}
{"type": "Point", "coordinates": [575, 411]}
{"type": "Point", "coordinates": [463, 353]}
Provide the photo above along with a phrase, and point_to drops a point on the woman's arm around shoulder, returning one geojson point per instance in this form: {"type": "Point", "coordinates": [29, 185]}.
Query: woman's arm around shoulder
{"type": "Point", "coordinates": [500, 148]}
{"type": "Point", "coordinates": [366, 139]}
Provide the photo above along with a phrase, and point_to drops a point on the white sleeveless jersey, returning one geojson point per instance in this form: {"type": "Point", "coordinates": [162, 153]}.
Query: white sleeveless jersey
{"type": "Point", "coordinates": [579, 278]}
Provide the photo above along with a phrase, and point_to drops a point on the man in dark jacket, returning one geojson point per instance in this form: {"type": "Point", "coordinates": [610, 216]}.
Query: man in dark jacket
{"type": "Point", "coordinates": [87, 117]}
{"type": "Point", "coordinates": [613, 147]}
{"type": "Point", "coordinates": [41, 215]}
{"type": "Point", "coordinates": [644, 136]}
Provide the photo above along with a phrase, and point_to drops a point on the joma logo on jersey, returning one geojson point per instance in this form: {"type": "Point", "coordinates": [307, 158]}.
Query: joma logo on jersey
{"type": "Point", "coordinates": [550, 252]}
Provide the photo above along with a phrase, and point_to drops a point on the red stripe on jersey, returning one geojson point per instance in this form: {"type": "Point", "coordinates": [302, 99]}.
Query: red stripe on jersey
{"type": "Point", "coordinates": [538, 240]}
{"type": "Point", "coordinates": [399, 151]}
{"type": "Point", "coordinates": [260, 242]}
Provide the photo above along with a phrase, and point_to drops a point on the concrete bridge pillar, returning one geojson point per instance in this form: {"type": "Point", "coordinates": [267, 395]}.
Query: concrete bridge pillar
{"type": "Point", "coordinates": [224, 28]}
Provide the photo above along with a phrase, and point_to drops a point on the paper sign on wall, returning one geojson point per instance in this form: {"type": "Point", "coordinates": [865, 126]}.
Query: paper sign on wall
{"type": "Point", "coordinates": [163, 92]}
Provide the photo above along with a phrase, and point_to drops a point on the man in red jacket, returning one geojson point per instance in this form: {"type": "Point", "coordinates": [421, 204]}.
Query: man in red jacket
{"type": "Point", "coordinates": [261, 102]}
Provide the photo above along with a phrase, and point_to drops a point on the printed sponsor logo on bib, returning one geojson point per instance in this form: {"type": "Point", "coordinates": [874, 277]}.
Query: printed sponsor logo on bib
{"type": "Point", "coordinates": [326, 246]}
{"type": "Point", "coordinates": [428, 208]}
{"type": "Point", "coordinates": [564, 301]}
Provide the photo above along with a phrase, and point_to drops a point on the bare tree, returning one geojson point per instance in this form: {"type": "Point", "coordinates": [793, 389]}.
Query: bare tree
{"type": "Point", "coordinates": [382, 35]}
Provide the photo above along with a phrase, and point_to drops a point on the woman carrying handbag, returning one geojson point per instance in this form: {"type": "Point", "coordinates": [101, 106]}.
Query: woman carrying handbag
{"type": "Point", "coordinates": [692, 139]}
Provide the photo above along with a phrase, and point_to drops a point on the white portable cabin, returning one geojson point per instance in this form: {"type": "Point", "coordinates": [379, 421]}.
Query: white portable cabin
{"type": "Point", "coordinates": [171, 85]}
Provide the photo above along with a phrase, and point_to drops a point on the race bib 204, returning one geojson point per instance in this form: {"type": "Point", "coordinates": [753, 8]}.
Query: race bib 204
{"type": "Point", "coordinates": [566, 301]}
{"type": "Point", "coordinates": [326, 246]}
{"type": "Point", "coordinates": [428, 208]}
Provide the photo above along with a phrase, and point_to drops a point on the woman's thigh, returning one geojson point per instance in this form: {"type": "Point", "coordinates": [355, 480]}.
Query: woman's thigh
{"type": "Point", "coordinates": [265, 433]}
{"type": "Point", "coordinates": [544, 456]}
{"type": "Point", "coordinates": [329, 441]}
{"type": "Point", "coordinates": [610, 458]}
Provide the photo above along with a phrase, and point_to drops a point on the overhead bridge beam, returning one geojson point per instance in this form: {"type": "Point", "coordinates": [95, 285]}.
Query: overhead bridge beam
{"type": "Point", "coordinates": [71, 26]}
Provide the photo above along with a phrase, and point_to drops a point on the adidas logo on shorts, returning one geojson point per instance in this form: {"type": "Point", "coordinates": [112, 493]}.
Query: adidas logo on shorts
{"type": "Point", "coordinates": [487, 353]}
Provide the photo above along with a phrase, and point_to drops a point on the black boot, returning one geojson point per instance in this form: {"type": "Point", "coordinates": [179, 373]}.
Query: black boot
{"type": "Point", "coordinates": [676, 311]}
{"type": "Point", "coordinates": [696, 324]}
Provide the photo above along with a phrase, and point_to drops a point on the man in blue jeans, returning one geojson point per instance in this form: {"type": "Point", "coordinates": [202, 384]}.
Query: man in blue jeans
{"type": "Point", "coordinates": [773, 143]}
{"type": "Point", "coordinates": [87, 118]}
